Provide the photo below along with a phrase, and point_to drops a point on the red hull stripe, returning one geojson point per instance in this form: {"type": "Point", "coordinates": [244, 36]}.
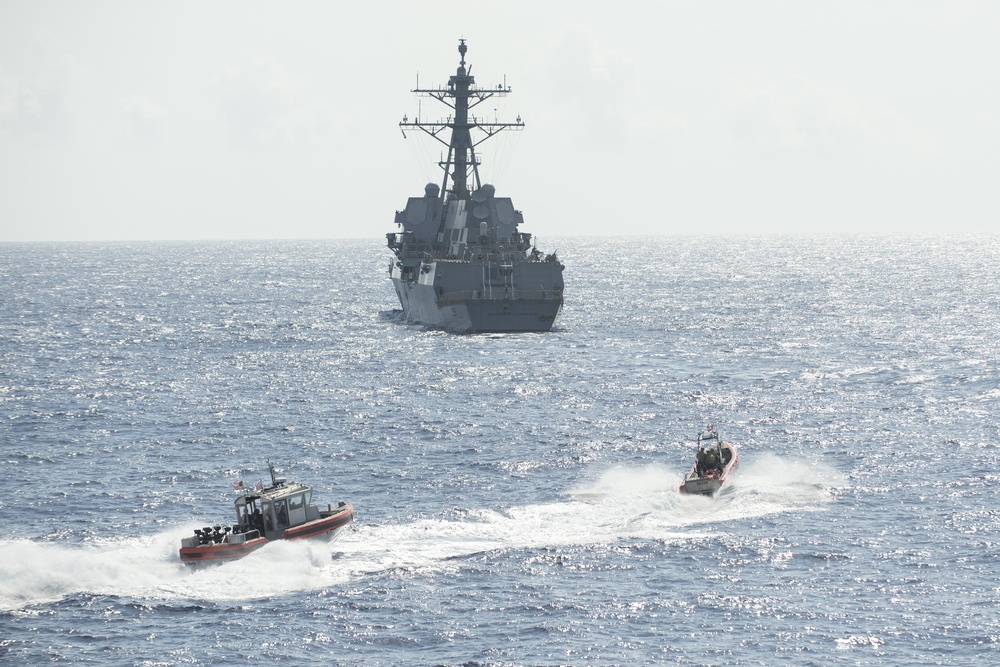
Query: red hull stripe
{"type": "Point", "coordinates": [221, 551]}
{"type": "Point", "coordinates": [320, 526]}
{"type": "Point", "coordinates": [208, 552]}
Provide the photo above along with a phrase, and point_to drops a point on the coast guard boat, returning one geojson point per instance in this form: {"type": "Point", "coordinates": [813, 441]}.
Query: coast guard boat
{"type": "Point", "coordinates": [282, 511]}
{"type": "Point", "coordinates": [714, 462]}
{"type": "Point", "coordinates": [460, 263]}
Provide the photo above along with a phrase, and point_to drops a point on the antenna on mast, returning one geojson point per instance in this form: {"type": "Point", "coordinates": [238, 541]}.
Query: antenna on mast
{"type": "Point", "coordinates": [461, 166]}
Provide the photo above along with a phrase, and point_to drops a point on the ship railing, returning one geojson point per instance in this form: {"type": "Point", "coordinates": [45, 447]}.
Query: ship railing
{"type": "Point", "coordinates": [502, 253]}
{"type": "Point", "coordinates": [416, 251]}
{"type": "Point", "coordinates": [430, 254]}
{"type": "Point", "coordinates": [516, 249]}
{"type": "Point", "coordinates": [407, 247]}
{"type": "Point", "coordinates": [500, 294]}
{"type": "Point", "coordinates": [517, 242]}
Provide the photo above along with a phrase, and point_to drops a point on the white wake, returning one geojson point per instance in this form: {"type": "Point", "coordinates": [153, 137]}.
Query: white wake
{"type": "Point", "coordinates": [622, 503]}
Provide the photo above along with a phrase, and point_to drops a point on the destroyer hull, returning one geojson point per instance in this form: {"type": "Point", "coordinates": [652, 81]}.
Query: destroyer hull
{"type": "Point", "coordinates": [475, 311]}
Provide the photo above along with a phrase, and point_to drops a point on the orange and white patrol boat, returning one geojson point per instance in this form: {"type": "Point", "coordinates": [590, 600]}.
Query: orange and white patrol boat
{"type": "Point", "coordinates": [282, 511]}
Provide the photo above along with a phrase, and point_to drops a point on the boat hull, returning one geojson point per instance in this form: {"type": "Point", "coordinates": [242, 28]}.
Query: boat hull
{"type": "Point", "coordinates": [695, 485]}
{"type": "Point", "coordinates": [206, 553]}
{"type": "Point", "coordinates": [328, 526]}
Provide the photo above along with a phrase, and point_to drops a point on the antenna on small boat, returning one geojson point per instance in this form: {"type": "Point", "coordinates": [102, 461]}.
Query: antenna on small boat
{"type": "Point", "coordinates": [275, 481]}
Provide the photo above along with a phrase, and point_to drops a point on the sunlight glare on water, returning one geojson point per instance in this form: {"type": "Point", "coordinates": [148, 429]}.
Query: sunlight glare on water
{"type": "Point", "coordinates": [517, 495]}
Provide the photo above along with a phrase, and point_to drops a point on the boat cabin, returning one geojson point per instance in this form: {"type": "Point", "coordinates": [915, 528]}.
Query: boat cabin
{"type": "Point", "coordinates": [282, 511]}
{"type": "Point", "coordinates": [275, 509]}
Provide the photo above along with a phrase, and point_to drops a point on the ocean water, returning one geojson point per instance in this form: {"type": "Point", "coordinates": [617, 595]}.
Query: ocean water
{"type": "Point", "coordinates": [516, 495]}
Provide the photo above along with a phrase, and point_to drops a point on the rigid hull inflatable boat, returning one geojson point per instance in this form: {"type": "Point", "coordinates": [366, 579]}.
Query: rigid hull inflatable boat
{"type": "Point", "coordinates": [714, 463]}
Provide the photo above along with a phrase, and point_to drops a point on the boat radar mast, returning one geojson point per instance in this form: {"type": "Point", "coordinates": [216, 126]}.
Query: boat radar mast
{"type": "Point", "coordinates": [461, 95]}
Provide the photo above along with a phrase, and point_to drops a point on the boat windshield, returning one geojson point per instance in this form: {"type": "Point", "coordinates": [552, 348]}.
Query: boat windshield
{"type": "Point", "coordinates": [247, 512]}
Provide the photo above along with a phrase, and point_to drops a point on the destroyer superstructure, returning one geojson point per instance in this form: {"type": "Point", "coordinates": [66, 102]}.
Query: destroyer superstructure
{"type": "Point", "coordinates": [461, 264]}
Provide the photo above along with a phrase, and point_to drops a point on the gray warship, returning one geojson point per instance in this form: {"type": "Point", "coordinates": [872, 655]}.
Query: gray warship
{"type": "Point", "coordinates": [460, 263]}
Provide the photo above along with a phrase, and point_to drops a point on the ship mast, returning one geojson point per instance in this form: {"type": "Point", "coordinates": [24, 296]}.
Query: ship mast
{"type": "Point", "coordinates": [461, 95]}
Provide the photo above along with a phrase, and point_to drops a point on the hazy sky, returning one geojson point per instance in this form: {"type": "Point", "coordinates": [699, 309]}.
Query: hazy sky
{"type": "Point", "coordinates": [205, 120]}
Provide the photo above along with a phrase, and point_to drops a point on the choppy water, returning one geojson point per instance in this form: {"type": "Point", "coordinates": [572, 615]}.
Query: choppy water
{"type": "Point", "coordinates": [516, 494]}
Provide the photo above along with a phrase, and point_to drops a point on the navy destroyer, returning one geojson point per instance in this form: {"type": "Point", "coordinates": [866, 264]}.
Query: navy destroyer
{"type": "Point", "coordinates": [461, 264]}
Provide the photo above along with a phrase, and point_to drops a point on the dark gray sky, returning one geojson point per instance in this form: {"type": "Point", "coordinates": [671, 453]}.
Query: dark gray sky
{"type": "Point", "coordinates": [197, 120]}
